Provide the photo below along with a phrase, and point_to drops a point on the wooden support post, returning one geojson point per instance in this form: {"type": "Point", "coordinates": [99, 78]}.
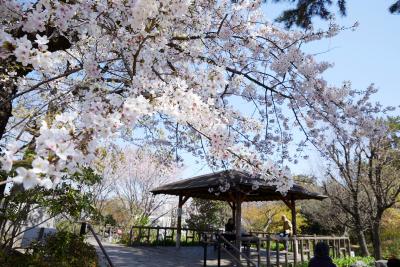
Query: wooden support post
{"type": "Point", "coordinates": [233, 210]}
{"type": "Point", "coordinates": [179, 222]}
{"type": "Point", "coordinates": [294, 225]}
{"type": "Point", "coordinates": [232, 205]}
{"type": "Point", "coordinates": [238, 216]}
{"type": "Point", "coordinates": [182, 201]}
{"type": "Point", "coordinates": [293, 208]}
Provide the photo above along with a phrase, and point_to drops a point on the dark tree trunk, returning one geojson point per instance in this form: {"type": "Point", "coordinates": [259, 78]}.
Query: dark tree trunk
{"type": "Point", "coordinates": [6, 94]}
{"type": "Point", "coordinates": [362, 243]}
{"type": "Point", "coordinates": [5, 108]}
{"type": "Point", "coordinates": [359, 227]}
{"type": "Point", "coordinates": [376, 237]}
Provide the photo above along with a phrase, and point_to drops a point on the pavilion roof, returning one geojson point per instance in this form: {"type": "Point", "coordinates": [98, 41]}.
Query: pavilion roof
{"type": "Point", "coordinates": [208, 187]}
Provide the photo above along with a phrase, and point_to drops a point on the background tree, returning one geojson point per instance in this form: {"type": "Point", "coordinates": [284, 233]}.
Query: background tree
{"type": "Point", "coordinates": [207, 214]}
{"type": "Point", "coordinates": [267, 216]}
{"type": "Point", "coordinates": [363, 178]}
{"type": "Point", "coordinates": [382, 169]}
{"type": "Point", "coordinates": [324, 218]}
{"type": "Point", "coordinates": [135, 172]}
{"type": "Point", "coordinates": [320, 217]}
{"type": "Point", "coordinates": [114, 207]}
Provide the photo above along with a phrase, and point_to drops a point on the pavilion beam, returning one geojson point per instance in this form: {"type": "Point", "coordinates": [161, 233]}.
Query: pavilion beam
{"type": "Point", "coordinates": [182, 200]}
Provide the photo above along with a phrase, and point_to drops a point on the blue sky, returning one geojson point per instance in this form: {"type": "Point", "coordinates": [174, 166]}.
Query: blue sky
{"type": "Point", "coordinates": [371, 54]}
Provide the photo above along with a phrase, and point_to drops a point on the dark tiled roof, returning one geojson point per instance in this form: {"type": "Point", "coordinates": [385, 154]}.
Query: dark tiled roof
{"type": "Point", "coordinates": [208, 187]}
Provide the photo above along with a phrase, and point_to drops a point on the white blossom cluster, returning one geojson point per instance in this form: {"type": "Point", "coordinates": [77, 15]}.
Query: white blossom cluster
{"type": "Point", "coordinates": [171, 66]}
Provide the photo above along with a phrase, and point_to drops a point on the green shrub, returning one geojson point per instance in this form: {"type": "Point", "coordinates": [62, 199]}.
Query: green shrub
{"type": "Point", "coordinates": [391, 248]}
{"type": "Point", "coordinates": [302, 264]}
{"type": "Point", "coordinates": [66, 249]}
{"type": "Point", "coordinates": [281, 246]}
{"type": "Point", "coordinates": [124, 239]}
{"type": "Point", "coordinates": [62, 249]}
{"type": "Point", "coordinates": [65, 225]}
{"type": "Point", "coordinates": [347, 262]}
{"type": "Point", "coordinates": [15, 259]}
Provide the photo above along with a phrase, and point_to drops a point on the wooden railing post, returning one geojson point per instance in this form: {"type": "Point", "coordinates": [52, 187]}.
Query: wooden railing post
{"type": "Point", "coordinates": [204, 239]}
{"type": "Point", "coordinates": [295, 250]}
{"type": "Point", "coordinates": [258, 252]}
{"type": "Point", "coordinates": [140, 235]}
{"type": "Point", "coordinates": [277, 252]}
{"type": "Point", "coordinates": [268, 247]}
{"type": "Point", "coordinates": [130, 236]}
{"type": "Point", "coordinates": [301, 250]}
{"type": "Point", "coordinates": [219, 252]}
{"type": "Point", "coordinates": [157, 235]}
{"type": "Point", "coordinates": [349, 246]}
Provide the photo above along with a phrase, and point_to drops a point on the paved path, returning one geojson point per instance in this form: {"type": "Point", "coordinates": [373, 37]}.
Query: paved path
{"type": "Point", "coordinates": [122, 256]}
{"type": "Point", "coordinates": [142, 256]}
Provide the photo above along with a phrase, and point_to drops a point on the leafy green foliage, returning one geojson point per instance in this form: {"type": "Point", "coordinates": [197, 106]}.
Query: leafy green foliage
{"type": "Point", "coordinates": [67, 198]}
{"type": "Point", "coordinates": [390, 233]}
{"type": "Point", "coordinates": [62, 249]}
{"type": "Point", "coordinates": [15, 259]}
{"type": "Point", "coordinates": [86, 176]}
{"type": "Point", "coordinates": [109, 219]}
{"type": "Point", "coordinates": [347, 262]}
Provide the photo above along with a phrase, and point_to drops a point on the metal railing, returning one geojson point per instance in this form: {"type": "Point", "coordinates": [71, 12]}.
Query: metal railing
{"type": "Point", "coordinates": [89, 226]}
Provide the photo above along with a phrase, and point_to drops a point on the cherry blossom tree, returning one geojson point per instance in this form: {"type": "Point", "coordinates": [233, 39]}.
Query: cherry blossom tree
{"type": "Point", "coordinates": [363, 156]}
{"type": "Point", "coordinates": [171, 71]}
{"type": "Point", "coordinates": [135, 172]}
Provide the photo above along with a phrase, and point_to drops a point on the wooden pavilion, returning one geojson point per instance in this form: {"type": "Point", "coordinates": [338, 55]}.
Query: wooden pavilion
{"type": "Point", "coordinates": [234, 187]}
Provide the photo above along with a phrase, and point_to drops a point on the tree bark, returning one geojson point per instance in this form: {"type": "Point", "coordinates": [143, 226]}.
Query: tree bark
{"type": "Point", "coordinates": [362, 243]}
{"type": "Point", "coordinates": [5, 108]}
{"type": "Point", "coordinates": [6, 94]}
{"type": "Point", "coordinates": [376, 238]}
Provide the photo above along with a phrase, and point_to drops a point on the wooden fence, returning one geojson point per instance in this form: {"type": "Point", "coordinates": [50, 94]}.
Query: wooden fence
{"type": "Point", "coordinates": [272, 250]}
{"type": "Point", "coordinates": [148, 235]}
{"type": "Point", "coordinates": [298, 249]}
